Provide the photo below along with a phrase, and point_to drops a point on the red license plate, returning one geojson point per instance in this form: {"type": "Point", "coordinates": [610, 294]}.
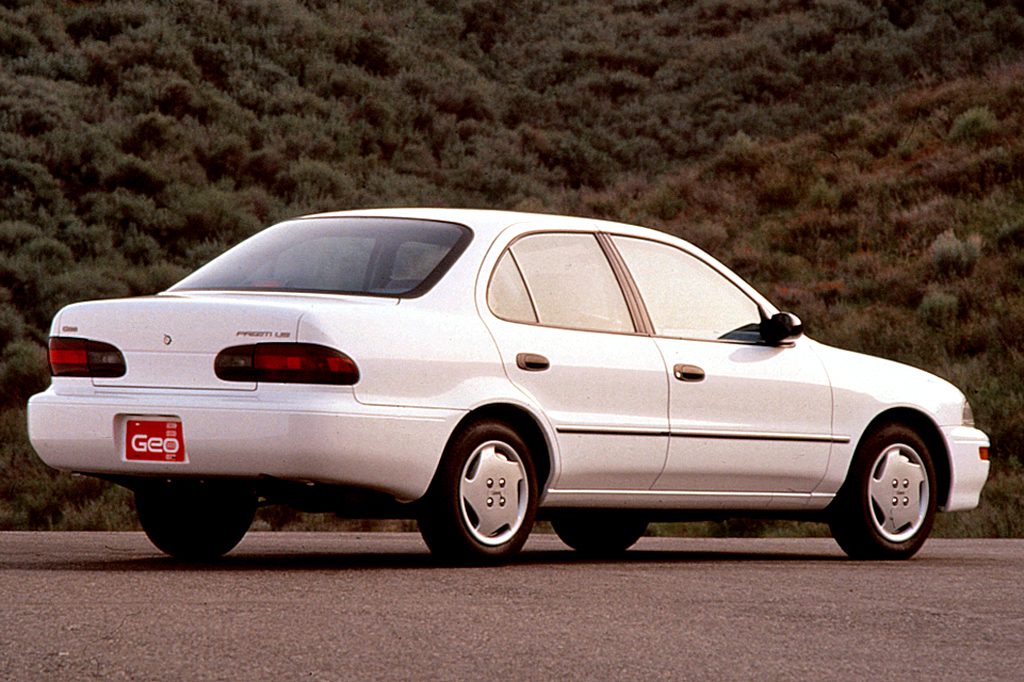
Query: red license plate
{"type": "Point", "coordinates": [154, 440]}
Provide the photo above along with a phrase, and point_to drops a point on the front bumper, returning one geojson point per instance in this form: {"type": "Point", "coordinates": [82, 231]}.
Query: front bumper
{"type": "Point", "coordinates": [968, 472]}
{"type": "Point", "coordinates": [321, 435]}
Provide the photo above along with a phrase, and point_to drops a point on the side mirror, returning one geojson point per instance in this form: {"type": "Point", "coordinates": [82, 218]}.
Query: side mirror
{"type": "Point", "coordinates": [780, 328]}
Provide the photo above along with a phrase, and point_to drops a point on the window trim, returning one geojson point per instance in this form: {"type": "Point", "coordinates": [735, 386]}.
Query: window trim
{"type": "Point", "coordinates": [634, 301]}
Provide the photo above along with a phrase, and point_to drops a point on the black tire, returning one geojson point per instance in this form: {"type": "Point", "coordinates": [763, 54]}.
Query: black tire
{"type": "Point", "coordinates": [599, 533]}
{"type": "Point", "coordinates": [483, 501]}
{"type": "Point", "coordinates": [195, 521]}
{"type": "Point", "coordinates": [886, 507]}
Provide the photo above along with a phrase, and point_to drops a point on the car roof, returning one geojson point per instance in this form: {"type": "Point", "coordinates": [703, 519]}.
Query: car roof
{"type": "Point", "coordinates": [488, 224]}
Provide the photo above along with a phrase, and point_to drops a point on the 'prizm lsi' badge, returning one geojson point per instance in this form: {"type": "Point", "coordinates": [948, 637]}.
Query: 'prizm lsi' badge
{"type": "Point", "coordinates": [263, 335]}
{"type": "Point", "coordinates": [168, 340]}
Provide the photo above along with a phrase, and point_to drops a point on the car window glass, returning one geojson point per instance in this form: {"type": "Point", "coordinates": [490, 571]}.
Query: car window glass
{"type": "Point", "coordinates": [571, 282]}
{"type": "Point", "coordinates": [686, 297]}
{"type": "Point", "coordinates": [506, 295]}
{"type": "Point", "coordinates": [349, 255]}
{"type": "Point", "coordinates": [331, 262]}
{"type": "Point", "coordinates": [413, 262]}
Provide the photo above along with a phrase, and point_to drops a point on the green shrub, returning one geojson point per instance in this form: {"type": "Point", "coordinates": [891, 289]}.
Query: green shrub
{"type": "Point", "coordinates": [102, 23]}
{"type": "Point", "coordinates": [23, 372]}
{"type": "Point", "coordinates": [740, 155]}
{"type": "Point", "coordinates": [86, 240]}
{"type": "Point", "coordinates": [882, 141]}
{"type": "Point", "coordinates": [12, 324]}
{"type": "Point", "coordinates": [974, 126]}
{"type": "Point", "coordinates": [151, 279]}
{"type": "Point", "coordinates": [953, 256]}
{"type": "Point", "coordinates": [128, 172]}
{"type": "Point", "coordinates": [778, 188]}
{"type": "Point", "coordinates": [844, 131]}
{"type": "Point", "coordinates": [151, 132]}
{"type": "Point", "coordinates": [15, 41]}
{"type": "Point", "coordinates": [82, 283]}
{"type": "Point", "coordinates": [1011, 234]}
{"type": "Point", "coordinates": [824, 195]}
{"type": "Point", "coordinates": [48, 254]}
{"type": "Point", "coordinates": [121, 212]}
{"type": "Point", "coordinates": [939, 308]}
{"type": "Point", "coordinates": [211, 213]}
{"type": "Point", "coordinates": [315, 185]}
{"type": "Point", "coordinates": [14, 233]}
{"type": "Point", "coordinates": [140, 248]}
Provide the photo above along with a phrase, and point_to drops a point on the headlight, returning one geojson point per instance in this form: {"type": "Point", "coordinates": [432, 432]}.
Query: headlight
{"type": "Point", "coordinates": [968, 415]}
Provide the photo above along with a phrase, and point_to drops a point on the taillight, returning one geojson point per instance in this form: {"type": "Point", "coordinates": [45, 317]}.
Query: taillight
{"type": "Point", "coordinates": [290, 363]}
{"type": "Point", "coordinates": [70, 357]}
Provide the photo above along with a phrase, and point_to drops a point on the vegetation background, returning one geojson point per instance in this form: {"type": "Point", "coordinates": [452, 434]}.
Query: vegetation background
{"type": "Point", "coordinates": [860, 161]}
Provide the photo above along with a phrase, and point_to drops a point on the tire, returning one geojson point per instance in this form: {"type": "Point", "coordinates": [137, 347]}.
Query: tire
{"type": "Point", "coordinates": [598, 533]}
{"type": "Point", "coordinates": [195, 521]}
{"type": "Point", "coordinates": [886, 507]}
{"type": "Point", "coordinates": [483, 501]}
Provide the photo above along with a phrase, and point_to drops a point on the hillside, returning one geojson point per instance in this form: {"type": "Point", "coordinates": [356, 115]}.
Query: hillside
{"type": "Point", "coordinates": [860, 162]}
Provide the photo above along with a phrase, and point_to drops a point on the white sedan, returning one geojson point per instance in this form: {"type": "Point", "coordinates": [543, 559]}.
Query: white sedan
{"type": "Point", "coordinates": [476, 370]}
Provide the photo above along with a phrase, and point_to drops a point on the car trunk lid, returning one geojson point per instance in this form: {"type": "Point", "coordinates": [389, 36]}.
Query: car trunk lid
{"type": "Point", "coordinates": [171, 341]}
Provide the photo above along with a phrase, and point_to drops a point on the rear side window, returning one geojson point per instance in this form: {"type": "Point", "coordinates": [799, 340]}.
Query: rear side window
{"type": "Point", "coordinates": [507, 295]}
{"type": "Point", "coordinates": [559, 280]}
{"type": "Point", "coordinates": [369, 256]}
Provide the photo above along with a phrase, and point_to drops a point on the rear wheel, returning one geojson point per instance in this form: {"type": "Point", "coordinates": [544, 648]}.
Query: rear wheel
{"type": "Point", "coordinates": [483, 501]}
{"type": "Point", "coordinates": [598, 532]}
{"type": "Point", "coordinates": [886, 507]}
{"type": "Point", "coordinates": [195, 521]}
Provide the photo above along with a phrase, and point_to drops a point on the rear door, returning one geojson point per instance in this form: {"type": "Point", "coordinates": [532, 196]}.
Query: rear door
{"type": "Point", "coordinates": [568, 339]}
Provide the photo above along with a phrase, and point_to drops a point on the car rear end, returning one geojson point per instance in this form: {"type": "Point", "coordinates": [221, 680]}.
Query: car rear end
{"type": "Point", "coordinates": [231, 375]}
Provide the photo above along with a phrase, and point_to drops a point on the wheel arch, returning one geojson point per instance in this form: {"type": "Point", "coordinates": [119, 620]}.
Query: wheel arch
{"type": "Point", "coordinates": [526, 425]}
{"type": "Point", "coordinates": [927, 429]}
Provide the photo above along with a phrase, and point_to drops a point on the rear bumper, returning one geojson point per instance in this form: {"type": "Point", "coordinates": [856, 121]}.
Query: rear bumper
{"type": "Point", "coordinates": [293, 433]}
{"type": "Point", "coordinates": [969, 471]}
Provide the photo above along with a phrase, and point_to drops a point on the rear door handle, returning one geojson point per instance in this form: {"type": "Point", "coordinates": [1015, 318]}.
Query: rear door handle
{"type": "Point", "coordinates": [531, 362]}
{"type": "Point", "coordinates": [688, 373]}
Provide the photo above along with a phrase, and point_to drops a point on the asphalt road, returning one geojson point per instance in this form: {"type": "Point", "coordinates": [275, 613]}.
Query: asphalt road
{"type": "Point", "coordinates": [373, 606]}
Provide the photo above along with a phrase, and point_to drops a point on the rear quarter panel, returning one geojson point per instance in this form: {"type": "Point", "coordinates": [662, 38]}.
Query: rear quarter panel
{"type": "Point", "coordinates": [414, 356]}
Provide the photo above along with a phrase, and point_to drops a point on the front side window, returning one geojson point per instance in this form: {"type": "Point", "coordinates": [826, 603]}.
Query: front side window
{"type": "Point", "coordinates": [685, 297]}
{"type": "Point", "coordinates": [369, 256]}
{"type": "Point", "coordinates": [569, 281]}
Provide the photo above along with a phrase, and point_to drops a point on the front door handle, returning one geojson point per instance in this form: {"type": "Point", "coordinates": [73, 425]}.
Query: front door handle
{"type": "Point", "coordinates": [531, 362]}
{"type": "Point", "coordinates": [691, 373]}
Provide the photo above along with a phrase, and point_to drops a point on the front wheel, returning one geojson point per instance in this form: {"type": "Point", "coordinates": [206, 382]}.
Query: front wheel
{"type": "Point", "coordinates": [886, 507]}
{"type": "Point", "coordinates": [195, 520]}
{"type": "Point", "coordinates": [483, 501]}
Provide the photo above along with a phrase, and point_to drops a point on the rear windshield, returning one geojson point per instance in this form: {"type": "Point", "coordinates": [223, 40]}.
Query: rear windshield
{"type": "Point", "coordinates": [371, 256]}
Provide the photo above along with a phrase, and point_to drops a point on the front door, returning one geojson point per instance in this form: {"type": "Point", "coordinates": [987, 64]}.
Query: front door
{"type": "Point", "coordinates": [758, 420]}
{"type": "Point", "coordinates": [748, 422]}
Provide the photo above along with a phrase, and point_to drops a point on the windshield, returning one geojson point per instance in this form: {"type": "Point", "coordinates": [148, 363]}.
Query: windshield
{"type": "Point", "coordinates": [370, 256]}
